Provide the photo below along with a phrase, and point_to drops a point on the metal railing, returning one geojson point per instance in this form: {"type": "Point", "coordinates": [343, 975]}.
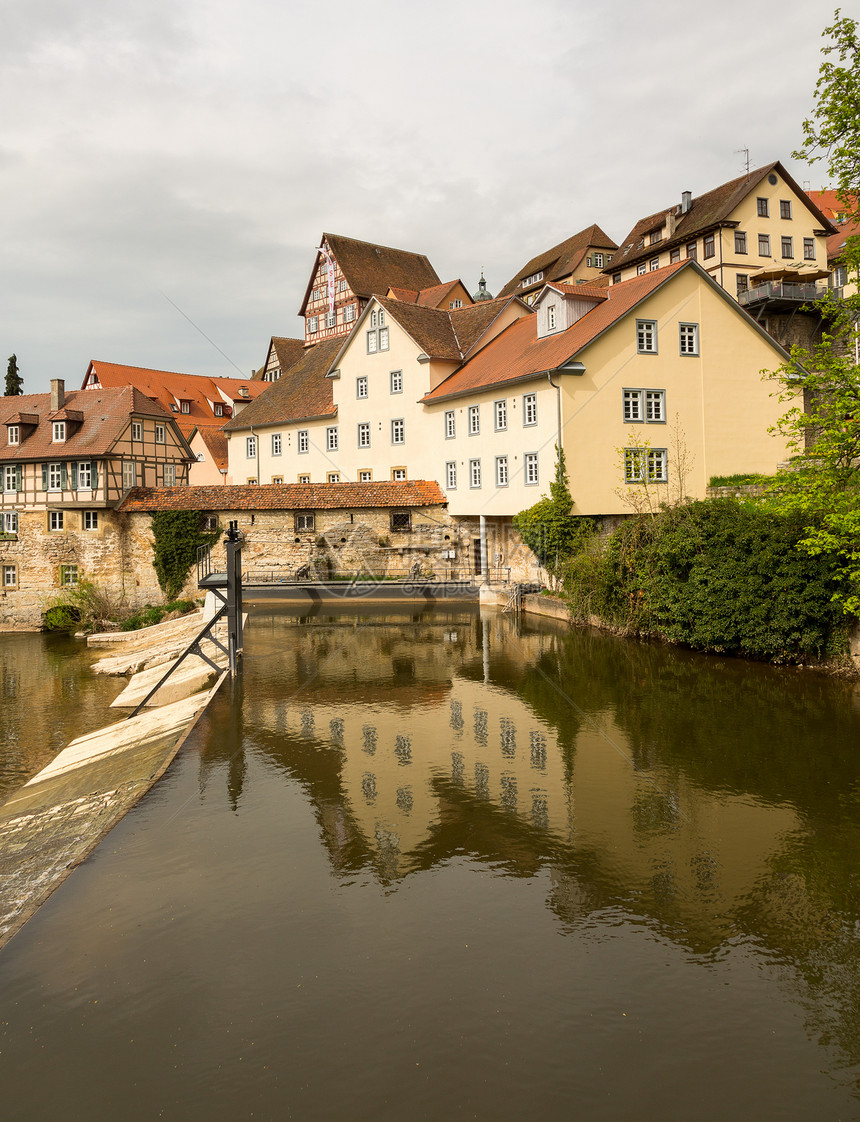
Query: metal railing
{"type": "Point", "coordinates": [301, 575]}
{"type": "Point", "coordinates": [777, 290]}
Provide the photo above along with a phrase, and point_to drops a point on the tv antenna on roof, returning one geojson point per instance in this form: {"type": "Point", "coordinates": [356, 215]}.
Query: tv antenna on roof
{"type": "Point", "coordinates": [746, 155]}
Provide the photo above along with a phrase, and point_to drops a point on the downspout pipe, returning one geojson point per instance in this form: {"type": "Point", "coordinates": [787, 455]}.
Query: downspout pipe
{"type": "Point", "coordinates": [557, 389]}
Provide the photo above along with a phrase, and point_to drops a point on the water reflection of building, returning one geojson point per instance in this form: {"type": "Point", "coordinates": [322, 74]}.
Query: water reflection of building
{"type": "Point", "coordinates": [464, 736]}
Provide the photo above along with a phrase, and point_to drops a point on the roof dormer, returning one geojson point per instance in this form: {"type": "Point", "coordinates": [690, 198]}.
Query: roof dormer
{"type": "Point", "coordinates": [559, 306]}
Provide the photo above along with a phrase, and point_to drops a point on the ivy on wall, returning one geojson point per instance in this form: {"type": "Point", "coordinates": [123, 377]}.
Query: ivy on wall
{"type": "Point", "coordinates": [177, 535]}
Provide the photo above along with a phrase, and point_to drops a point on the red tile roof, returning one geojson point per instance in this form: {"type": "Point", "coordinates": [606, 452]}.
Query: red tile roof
{"type": "Point", "coordinates": [561, 260]}
{"type": "Point", "coordinates": [437, 295]}
{"type": "Point", "coordinates": [830, 204]}
{"type": "Point", "coordinates": [836, 242]}
{"type": "Point", "coordinates": [587, 291]}
{"type": "Point", "coordinates": [287, 496]}
{"type": "Point", "coordinates": [168, 388]}
{"type": "Point", "coordinates": [216, 443]}
{"type": "Point", "coordinates": [106, 414]}
{"type": "Point", "coordinates": [517, 353]}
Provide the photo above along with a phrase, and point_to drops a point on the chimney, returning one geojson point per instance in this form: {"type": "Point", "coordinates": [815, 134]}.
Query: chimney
{"type": "Point", "coordinates": [686, 201]}
{"type": "Point", "coordinates": [58, 394]}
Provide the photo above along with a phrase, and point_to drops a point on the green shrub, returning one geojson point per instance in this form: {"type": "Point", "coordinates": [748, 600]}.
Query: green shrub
{"type": "Point", "coordinates": [150, 615]}
{"type": "Point", "coordinates": [717, 575]}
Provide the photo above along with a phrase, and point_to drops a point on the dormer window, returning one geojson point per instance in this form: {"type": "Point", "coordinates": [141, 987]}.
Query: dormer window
{"type": "Point", "coordinates": [550, 317]}
{"type": "Point", "coordinates": [185, 406]}
{"type": "Point", "coordinates": [59, 432]}
{"type": "Point", "coordinates": [13, 434]}
{"type": "Point", "coordinates": [656, 236]}
{"type": "Point", "coordinates": [533, 279]}
{"type": "Point", "coordinates": [218, 409]}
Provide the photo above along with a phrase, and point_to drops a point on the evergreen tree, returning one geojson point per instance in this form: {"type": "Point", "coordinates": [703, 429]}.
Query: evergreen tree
{"type": "Point", "coordinates": [14, 381]}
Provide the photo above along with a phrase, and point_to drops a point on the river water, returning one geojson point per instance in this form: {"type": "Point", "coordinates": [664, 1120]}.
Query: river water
{"type": "Point", "coordinates": [441, 866]}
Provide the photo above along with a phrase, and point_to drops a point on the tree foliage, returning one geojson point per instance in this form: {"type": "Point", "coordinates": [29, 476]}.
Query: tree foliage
{"type": "Point", "coordinates": [548, 528]}
{"type": "Point", "coordinates": [14, 381]}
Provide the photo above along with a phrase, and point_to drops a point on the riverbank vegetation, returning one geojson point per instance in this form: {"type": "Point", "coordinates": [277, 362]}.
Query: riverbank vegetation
{"type": "Point", "coordinates": [89, 608]}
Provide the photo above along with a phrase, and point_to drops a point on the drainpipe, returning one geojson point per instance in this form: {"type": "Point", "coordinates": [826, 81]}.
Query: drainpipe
{"type": "Point", "coordinates": [558, 404]}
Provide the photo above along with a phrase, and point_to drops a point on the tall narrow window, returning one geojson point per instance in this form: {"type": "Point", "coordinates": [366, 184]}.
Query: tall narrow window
{"type": "Point", "coordinates": [303, 441]}
{"type": "Point", "coordinates": [474, 420]}
{"type": "Point", "coordinates": [59, 432]}
{"type": "Point", "coordinates": [530, 409]}
{"type": "Point", "coordinates": [451, 475]}
{"type": "Point", "coordinates": [170, 475]}
{"type": "Point", "coordinates": [450, 425]}
{"type": "Point", "coordinates": [160, 434]}
{"type": "Point", "coordinates": [277, 443]}
{"type": "Point", "coordinates": [397, 381]}
{"type": "Point", "coordinates": [501, 471]}
{"type": "Point", "coordinates": [250, 447]}
{"type": "Point", "coordinates": [762, 209]}
{"type": "Point", "coordinates": [740, 241]}
{"type": "Point", "coordinates": [787, 246]}
{"type": "Point", "coordinates": [398, 431]}
{"type": "Point", "coordinates": [531, 468]}
{"type": "Point", "coordinates": [364, 434]}
{"type": "Point", "coordinates": [764, 245]}
{"type": "Point", "coordinates": [474, 473]}
{"type": "Point", "coordinates": [646, 336]}
{"type": "Point", "coordinates": [361, 387]}
{"type": "Point", "coordinates": [500, 413]}
{"type": "Point", "coordinates": [331, 439]}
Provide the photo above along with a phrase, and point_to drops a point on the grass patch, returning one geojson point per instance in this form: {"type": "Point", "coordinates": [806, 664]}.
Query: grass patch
{"type": "Point", "coordinates": [151, 615]}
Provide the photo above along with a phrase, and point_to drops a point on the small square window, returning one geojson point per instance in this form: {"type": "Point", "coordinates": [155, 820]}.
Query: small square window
{"type": "Point", "coordinates": [304, 479]}
{"type": "Point", "coordinates": [674, 255]}
{"type": "Point", "coordinates": [654, 264]}
{"type": "Point", "coordinates": [277, 479]}
{"type": "Point", "coordinates": [365, 477]}
{"type": "Point", "coordinates": [333, 477]}
{"type": "Point", "coordinates": [641, 269]}
{"type": "Point", "coordinates": [401, 521]}
{"type": "Point", "coordinates": [304, 521]}
{"type": "Point", "coordinates": [331, 319]}
{"type": "Point", "coordinates": [398, 475]}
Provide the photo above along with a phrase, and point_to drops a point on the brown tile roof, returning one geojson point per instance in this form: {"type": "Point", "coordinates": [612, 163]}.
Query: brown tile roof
{"type": "Point", "coordinates": [407, 295]}
{"type": "Point", "coordinates": [471, 321]}
{"type": "Point", "coordinates": [836, 242]}
{"type": "Point", "coordinates": [706, 213]}
{"type": "Point", "coordinates": [517, 354]}
{"type": "Point", "coordinates": [286, 496]}
{"type": "Point", "coordinates": [430, 328]}
{"type": "Point", "coordinates": [370, 270]}
{"type": "Point", "coordinates": [167, 387]}
{"type": "Point", "coordinates": [106, 415]}
{"type": "Point", "coordinates": [216, 443]}
{"type": "Point", "coordinates": [288, 352]}
{"type": "Point", "coordinates": [437, 295]}
{"type": "Point", "coordinates": [561, 260]}
{"type": "Point", "coordinates": [302, 392]}
{"type": "Point", "coordinates": [588, 291]}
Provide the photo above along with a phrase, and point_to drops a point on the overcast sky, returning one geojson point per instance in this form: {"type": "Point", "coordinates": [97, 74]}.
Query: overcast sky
{"type": "Point", "coordinates": [168, 167]}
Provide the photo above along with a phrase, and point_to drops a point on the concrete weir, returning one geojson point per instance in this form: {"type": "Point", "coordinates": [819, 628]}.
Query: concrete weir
{"type": "Point", "coordinates": [55, 820]}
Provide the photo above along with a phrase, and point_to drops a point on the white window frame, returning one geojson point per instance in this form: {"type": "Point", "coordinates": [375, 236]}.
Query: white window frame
{"type": "Point", "coordinates": [632, 411]}
{"type": "Point", "coordinates": [501, 471]}
{"type": "Point", "coordinates": [500, 414]}
{"type": "Point", "coordinates": [365, 476]}
{"type": "Point", "coordinates": [450, 424]}
{"type": "Point", "coordinates": [56, 522]}
{"type": "Point", "coordinates": [333, 477]}
{"type": "Point", "coordinates": [129, 474]}
{"type": "Point", "coordinates": [597, 259]}
{"type": "Point", "coordinates": [636, 459]}
{"type": "Point", "coordinates": [277, 444]}
{"type": "Point", "coordinates": [302, 442]}
{"type": "Point", "coordinates": [304, 480]}
{"type": "Point", "coordinates": [9, 521]}
{"type": "Point", "coordinates": [349, 313]}
{"type": "Point", "coordinates": [331, 319]}
{"type": "Point", "coordinates": [641, 269]}
{"type": "Point", "coordinates": [654, 264]}
{"type": "Point", "coordinates": [364, 434]}
{"type": "Point", "coordinates": [58, 432]}
{"type": "Point", "coordinates": [137, 430]}
{"type": "Point", "coordinates": [529, 409]}
{"type": "Point", "coordinates": [13, 434]}
{"type": "Point", "coordinates": [250, 447]}
{"type": "Point", "coordinates": [85, 475]}
{"type": "Point", "coordinates": [184, 406]}
{"type": "Point", "coordinates": [10, 576]}
{"type": "Point", "coordinates": [160, 433]}
{"type": "Point", "coordinates": [550, 317]}
{"type": "Point", "coordinates": [646, 336]}
{"type": "Point", "coordinates": [655, 407]}
{"type": "Point", "coordinates": [398, 431]}
{"type": "Point", "coordinates": [372, 342]}
{"type": "Point", "coordinates": [55, 476]}
{"type": "Point", "coordinates": [361, 387]}
{"type": "Point", "coordinates": [451, 475]}
{"type": "Point", "coordinates": [91, 519]}
{"type": "Point", "coordinates": [331, 438]}
{"type": "Point", "coordinates": [313, 325]}
{"type": "Point", "coordinates": [169, 475]}
{"type": "Point", "coordinates": [383, 336]}
{"type": "Point", "coordinates": [396, 381]}
{"type": "Point", "coordinates": [398, 475]}
{"type": "Point", "coordinates": [69, 575]}
{"type": "Point", "coordinates": [10, 479]}
{"type": "Point", "coordinates": [474, 420]}
{"type": "Point", "coordinates": [531, 476]}
{"type": "Point", "coordinates": [688, 339]}
{"type": "Point", "coordinates": [474, 474]}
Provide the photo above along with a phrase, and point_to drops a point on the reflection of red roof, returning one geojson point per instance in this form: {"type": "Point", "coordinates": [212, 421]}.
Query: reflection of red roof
{"type": "Point", "coordinates": [517, 352]}
{"type": "Point", "coordinates": [171, 389]}
{"type": "Point", "coordinates": [287, 496]}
